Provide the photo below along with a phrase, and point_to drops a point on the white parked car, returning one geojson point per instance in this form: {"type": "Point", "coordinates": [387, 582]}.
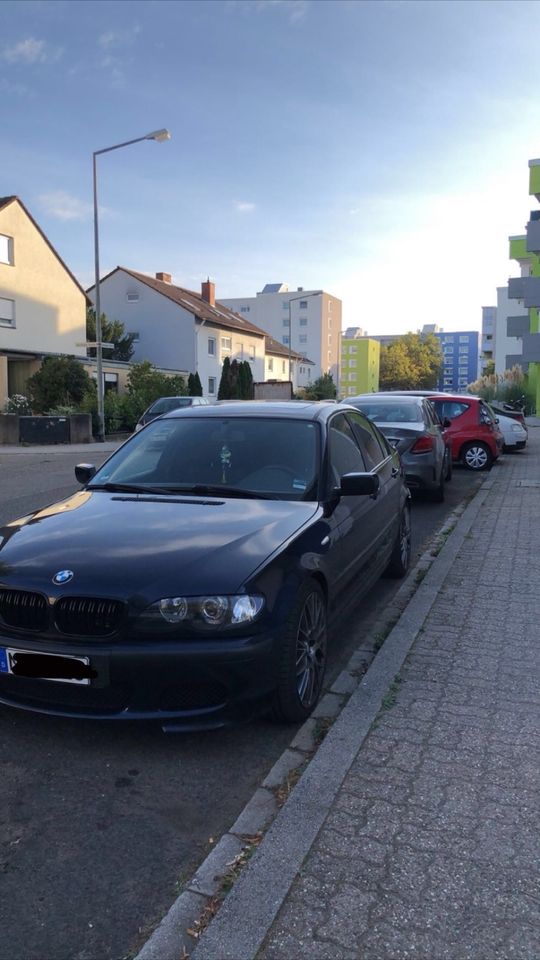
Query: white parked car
{"type": "Point", "coordinates": [515, 436]}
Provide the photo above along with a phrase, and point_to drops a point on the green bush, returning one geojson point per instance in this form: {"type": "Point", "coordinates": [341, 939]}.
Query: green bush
{"type": "Point", "coordinates": [61, 381]}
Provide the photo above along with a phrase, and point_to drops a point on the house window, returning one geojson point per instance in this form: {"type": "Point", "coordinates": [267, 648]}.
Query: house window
{"type": "Point", "coordinates": [211, 386]}
{"type": "Point", "coordinates": [448, 351]}
{"type": "Point", "coordinates": [329, 338]}
{"type": "Point", "coordinates": [226, 346]}
{"type": "Point", "coordinates": [329, 304]}
{"type": "Point", "coordinates": [211, 346]}
{"type": "Point", "coordinates": [270, 364]}
{"type": "Point", "coordinates": [464, 339]}
{"type": "Point", "coordinates": [285, 340]}
{"type": "Point", "coordinates": [132, 297]}
{"type": "Point", "coordinates": [6, 249]}
{"type": "Point", "coordinates": [352, 363]}
{"type": "Point", "coordinates": [7, 312]}
{"type": "Point", "coordinates": [251, 354]}
{"type": "Point", "coordinates": [303, 321]}
{"type": "Point", "coordinates": [244, 309]}
{"type": "Point", "coordinates": [463, 371]}
{"type": "Point", "coordinates": [285, 321]}
{"type": "Point", "coordinates": [283, 366]}
{"type": "Point", "coordinates": [329, 321]}
{"type": "Point", "coordinates": [111, 383]}
{"type": "Point", "coordinates": [303, 304]}
{"type": "Point", "coordinates": [303, 338]}
{"type": "Point", "coordinates": [239, 350]}
{"type": "Point", "coordinates": [463, 349]}
{"type": "Point", "coordinates": [285, 305]}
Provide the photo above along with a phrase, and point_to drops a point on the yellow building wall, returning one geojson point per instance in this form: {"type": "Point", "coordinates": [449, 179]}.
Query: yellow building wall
{"type": "Point", "coordinates": [359, 366]}
{"type": "Point", "coordinates": [50, 309]}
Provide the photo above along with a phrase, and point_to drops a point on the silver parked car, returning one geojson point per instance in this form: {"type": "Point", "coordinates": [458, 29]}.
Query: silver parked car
{"type": "Point", "coordinates": [414, 429]}
{"type": "Point", "coordinates": [165, 405]}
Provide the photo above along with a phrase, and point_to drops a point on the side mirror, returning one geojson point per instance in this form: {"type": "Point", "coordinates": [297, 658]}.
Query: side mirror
{"type": "Point", "coordinates": [496, 419]}
{"type": "Point", "coordinates": [359, 485]}
{"type": "Point", "coordinates": [84, 472]}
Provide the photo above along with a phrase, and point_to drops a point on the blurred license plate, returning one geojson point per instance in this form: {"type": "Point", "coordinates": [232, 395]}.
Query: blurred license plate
{"type": "Point", "coordinates": [45, 666]}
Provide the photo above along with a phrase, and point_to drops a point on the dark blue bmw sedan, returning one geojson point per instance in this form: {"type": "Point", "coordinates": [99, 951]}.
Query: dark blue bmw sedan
{"type": "Point", "coordinates": [193, 577]}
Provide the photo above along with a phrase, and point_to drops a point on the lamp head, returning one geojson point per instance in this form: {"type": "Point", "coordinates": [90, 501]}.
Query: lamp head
{"type": "Point", "coordinates": [158, 135]}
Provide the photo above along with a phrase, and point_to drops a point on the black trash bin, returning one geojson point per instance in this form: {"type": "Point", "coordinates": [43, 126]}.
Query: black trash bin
{"type": "Point", "coordinates": [43, 430]}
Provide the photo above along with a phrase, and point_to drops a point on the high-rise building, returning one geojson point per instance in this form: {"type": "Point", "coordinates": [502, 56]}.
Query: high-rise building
{"type": "Point", "coordinates": [526, 289]}
{"type": "Point", "coordinates": [309, 321]}
{"type": "Point", "coordinates": [359, 365]}
{"type": "Point", "coordinates": [488, 335]}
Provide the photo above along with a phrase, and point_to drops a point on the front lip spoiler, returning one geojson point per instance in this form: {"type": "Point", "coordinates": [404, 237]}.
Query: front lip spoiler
{"type": "Point", "coordinates": [188, 720]}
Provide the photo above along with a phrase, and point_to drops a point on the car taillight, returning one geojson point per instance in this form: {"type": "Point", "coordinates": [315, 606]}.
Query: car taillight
{"type": "Point", "coordinates": [423, 444]}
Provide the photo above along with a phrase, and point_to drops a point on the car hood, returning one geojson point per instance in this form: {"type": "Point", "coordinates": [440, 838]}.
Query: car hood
{"type": "Point", "coordinates": [124, 545]}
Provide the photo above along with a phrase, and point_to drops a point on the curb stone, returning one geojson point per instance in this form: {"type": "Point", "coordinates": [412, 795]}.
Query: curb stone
{"type": "Point", "coordinates": [265, 882]}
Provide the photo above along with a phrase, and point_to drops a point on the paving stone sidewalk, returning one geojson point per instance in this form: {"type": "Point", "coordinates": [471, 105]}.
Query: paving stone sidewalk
{"type": "Point", "coordinates": [432, 849]}
{"type": "Point", "coordinates": [415, 830]}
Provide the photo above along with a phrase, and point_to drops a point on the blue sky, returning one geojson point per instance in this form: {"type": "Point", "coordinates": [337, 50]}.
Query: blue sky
{"type": "Point", "coordinates": [375, 149]}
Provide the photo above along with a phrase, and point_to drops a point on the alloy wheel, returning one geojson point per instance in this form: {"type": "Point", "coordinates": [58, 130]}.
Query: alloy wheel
{"type": "Point", "coordinates": [311, 650]}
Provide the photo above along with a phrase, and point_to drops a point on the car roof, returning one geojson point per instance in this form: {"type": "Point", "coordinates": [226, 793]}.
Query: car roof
{"type": "Point", "coordinates": [383, 398]}
{"type": "Point", "coordinates": [287, 409]}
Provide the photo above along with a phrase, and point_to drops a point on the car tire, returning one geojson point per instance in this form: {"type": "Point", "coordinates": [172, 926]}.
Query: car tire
{"type": "Point", "coordinates": [302, 657]}
{"type": "Point", "coordinates": [476, 456]}
{"type": "Point", "coordinates": [401, 554]}
{"type": "Point", "coordinates": [448, 463]}
{"type": "Point", "coordinates": [437, 495]}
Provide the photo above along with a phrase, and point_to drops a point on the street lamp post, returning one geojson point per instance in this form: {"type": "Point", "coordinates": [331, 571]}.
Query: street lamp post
{"type": "Point", "coordinates": [157, 135]}
{"type": "Point", "coordinates": [305, 296]}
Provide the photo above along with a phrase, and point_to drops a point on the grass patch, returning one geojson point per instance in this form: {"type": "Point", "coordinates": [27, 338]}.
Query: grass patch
{"type": "Point", "coordinates": [389, 699]}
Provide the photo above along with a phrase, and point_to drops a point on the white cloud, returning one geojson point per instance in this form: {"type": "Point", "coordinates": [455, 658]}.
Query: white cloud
{"type": "Point", "coordinates": [243, 206]}
{"type": "Point", "coordinates": [64, 206]}
{"type": "Point", "coordinates": [113, 38]}
{"type": "Point", "coordinates": [30, 51]}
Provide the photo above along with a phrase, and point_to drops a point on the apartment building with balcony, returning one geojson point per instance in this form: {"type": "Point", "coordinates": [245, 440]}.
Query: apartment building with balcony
{"type": "Point", "coordinates": [488, 337]}
{"type": "Point", "coordinates": [309, 321]}
{"type": "Point", "coordinates": [526, 288]}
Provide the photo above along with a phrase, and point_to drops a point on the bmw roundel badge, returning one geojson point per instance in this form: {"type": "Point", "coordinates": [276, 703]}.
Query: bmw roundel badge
{"type": "Point", "coordinates": [63, 576]}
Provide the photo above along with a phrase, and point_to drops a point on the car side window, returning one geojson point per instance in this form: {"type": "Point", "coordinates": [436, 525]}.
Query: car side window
{"type": "Point", "coordinates": [450, 408]}
{"type": "Point", "coordinates": [344, 453]}
{"type": "Point", "coordinates": [374, 446]}
{"type": "Point", "coordinates": [432, 414]}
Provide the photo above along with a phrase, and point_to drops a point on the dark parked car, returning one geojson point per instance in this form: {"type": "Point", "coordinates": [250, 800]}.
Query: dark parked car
{"type": "Point", "coordinates": [165, 405]}
{"type": "Point", "coordinates": [414, 429]}
{"type": "Point", "coordinates": [192, 578]}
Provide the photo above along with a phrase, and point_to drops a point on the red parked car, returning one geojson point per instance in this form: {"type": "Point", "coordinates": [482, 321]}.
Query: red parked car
{"type": "Point", "coordinates": [476, 438]}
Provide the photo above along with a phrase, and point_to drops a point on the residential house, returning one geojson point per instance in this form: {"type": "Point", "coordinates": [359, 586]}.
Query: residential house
{"type": "Point", "coordinates": [179, 329]}
{"type": "Point", "coordinates": [526, 289]}
{"type": "Point", "coordinates": [307, 320]}
{"type": "Point", "coordinates": [42, 306]}
{"type": "Point", "coordinates": [488, 335]}
{"type": "Point", "coordinates": [276, 364]}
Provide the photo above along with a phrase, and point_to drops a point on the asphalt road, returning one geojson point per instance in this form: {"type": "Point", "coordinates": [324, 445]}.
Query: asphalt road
{"type": "Point", "coordinates": [101, 824]}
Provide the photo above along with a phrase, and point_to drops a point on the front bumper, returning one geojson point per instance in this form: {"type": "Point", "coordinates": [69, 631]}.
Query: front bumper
{"type": "Point", "coordinates": [201, 684]}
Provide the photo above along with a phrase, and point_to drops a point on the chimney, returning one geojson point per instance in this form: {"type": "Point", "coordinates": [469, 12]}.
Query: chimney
{"type": "Point", "coordinates": [208, 291]}
{"type": "Point", "coordinates": [166, 277]}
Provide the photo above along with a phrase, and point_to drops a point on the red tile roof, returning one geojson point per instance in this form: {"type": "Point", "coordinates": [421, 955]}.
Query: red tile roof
{"type": "Point", "coordinates": [193, 302]}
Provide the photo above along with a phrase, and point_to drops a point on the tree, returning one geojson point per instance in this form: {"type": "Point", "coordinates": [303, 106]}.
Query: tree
{"type": "Point", "coordinates": [61, 382]}
{"type": "Point", "coordinates": [194, 385]}
{"type": "Point", "coordinates": [323, 388]}
{"type": "Point", "coordinates": [146, 384]}
{"type": "Point", "coordinates": [412, 362]}
{"type": "Point", "coordinates": [112, 331]}
{"type": "Point", "coordinates": [246, 380]}
{"type": "Point", "coordinates": [224, 391]}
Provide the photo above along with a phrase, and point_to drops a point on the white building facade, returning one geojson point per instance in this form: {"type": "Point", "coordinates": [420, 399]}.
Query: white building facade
{"type": "Point", "coordinates": [177, 329]}
{"type": "Point", "coordinates": [309, 321]}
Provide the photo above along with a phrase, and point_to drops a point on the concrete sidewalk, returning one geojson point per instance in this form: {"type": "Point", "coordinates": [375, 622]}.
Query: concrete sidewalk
{"type": "Point", "coordinates": [96, 449]}
{"type": "Point", "coordinates": [415, 830]}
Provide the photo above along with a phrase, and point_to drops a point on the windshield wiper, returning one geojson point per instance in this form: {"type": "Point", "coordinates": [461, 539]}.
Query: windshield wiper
{"type": "Point", "coordinates": [130, 488]}
{"type": "Point", "coordinates": [219, 490]}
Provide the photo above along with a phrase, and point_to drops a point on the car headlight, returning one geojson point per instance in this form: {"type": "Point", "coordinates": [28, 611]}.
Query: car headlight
{"type": "Point", "coordinates": [516, 427]}
{"type": "Point", "coordinates": [210, 611]}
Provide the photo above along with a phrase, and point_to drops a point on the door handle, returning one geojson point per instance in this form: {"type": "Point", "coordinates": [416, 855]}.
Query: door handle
{"type": "Point", "coordinates": [395, 472]}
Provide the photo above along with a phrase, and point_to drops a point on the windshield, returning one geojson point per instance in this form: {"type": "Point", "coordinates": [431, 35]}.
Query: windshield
{"type": "Point", "coordinates": [254, 455]}
{"type": "Point", "coordinates": [393, 412]}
